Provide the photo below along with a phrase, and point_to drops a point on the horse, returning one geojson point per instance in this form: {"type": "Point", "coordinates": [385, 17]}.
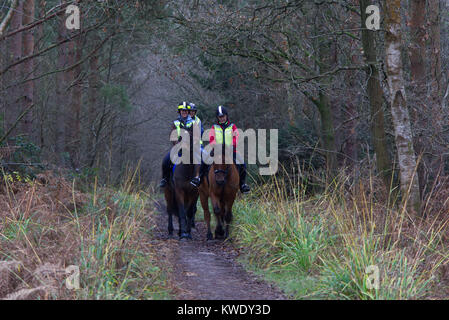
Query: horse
{"type": "Point", "coordinates": [181, 196]}
{"type": "Point", "coordinates": [221, 187]}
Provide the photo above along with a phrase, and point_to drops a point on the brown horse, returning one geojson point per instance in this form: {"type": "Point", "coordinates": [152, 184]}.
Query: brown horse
{"type": "Point", "coordinates": [181, 196]}
{"type": "Point", "coordinates": [221, 186]}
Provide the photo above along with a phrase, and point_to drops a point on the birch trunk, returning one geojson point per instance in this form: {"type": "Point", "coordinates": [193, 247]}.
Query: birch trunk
{"type": "Point", "coordinates": [399, 110]}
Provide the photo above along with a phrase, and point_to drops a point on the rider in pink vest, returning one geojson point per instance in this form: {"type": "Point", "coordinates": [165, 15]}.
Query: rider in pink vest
{"type": "Point", "coordinates": [225, 126]}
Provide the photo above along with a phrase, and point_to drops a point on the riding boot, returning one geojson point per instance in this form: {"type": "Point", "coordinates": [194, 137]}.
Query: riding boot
{"type": "Point", "coordinates": [244, 188]}
{"type": "Point", "coordinates": [166, 168]}
{"type": "Point", "coordinates": [196, 180]}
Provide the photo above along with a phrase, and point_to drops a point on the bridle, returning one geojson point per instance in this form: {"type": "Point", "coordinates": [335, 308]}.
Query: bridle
{"type": "Point", "coordinates": [225, 172]}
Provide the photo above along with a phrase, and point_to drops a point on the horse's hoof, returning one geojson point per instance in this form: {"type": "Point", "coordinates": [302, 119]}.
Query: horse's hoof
{"type": "Point", "coordinates": [186, 236]}
{"type": "Point", "coordinates": [210, 236]}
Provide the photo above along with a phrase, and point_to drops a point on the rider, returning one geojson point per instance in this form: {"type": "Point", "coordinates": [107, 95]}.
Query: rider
{"type": "Point", "coordinates": [197, 121]}
{"type": "Point", "coordinates": [184, 121]}
{"type": "Point", "coordinates": [227, 131]}
{"type": "Point", "coordinates": [192, 112]}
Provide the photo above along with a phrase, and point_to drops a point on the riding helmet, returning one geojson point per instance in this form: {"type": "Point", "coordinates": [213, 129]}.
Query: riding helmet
{"type": "Point", "coordinates": [182, 106]}
{"type": "Point", "coordinates": [192, 107]}
{"type": "Point", "coordinates": [221, 111]}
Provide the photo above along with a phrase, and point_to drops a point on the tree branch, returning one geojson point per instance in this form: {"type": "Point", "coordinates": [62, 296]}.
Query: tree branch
{"type": "Point", "coordinates": [8, 17]}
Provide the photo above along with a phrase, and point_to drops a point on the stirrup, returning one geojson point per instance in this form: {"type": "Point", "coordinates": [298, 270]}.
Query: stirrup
{"type": "Point", "coordinates": [163, 183]}
{"type": "Point", "coordinates": [244, 188]}
{"type": "Point", "coordinates": [195, 181]}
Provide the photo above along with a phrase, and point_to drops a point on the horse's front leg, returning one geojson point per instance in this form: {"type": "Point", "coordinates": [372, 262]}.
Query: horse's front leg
{"type": "Point", "coordinates": [184, 224]}
{"type": "Point", "coordinates": [170, 224]}
{"type": "Point", "coordinates": [183, 228]}
{"type": "Point", "coordinates": [219, 232]}
{"type": "Point", "coordinates": [194, 210]}
{"type": "Point", "coordinates": [227, 221]}
{"type": "Point", "coordinates": [193, 214]}
{"type": "Point", "coordinates": [205, 205]}
{"type": "Point", "coordinates": [190, 218]}
{"type": "Point", "coordinates": [229, 202]}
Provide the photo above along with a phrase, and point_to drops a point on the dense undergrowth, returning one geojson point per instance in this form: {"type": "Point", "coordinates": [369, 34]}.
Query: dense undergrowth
{"type": "Point", "coordinates": [51, 232]}
{"type": "Point", "coordinates": [351, 241]}
{"type": "Point", "coordinates": [348, 242]}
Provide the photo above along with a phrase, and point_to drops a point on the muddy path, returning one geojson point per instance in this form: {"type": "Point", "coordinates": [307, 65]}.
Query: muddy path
{"type": "Point", "coordinates": [208, 270]}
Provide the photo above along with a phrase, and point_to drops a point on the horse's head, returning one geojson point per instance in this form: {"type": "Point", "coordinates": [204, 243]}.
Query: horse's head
{"type": "Point", "coordinates": [221, 173]}
{"type": "Point", "coordinates": [221, 168]}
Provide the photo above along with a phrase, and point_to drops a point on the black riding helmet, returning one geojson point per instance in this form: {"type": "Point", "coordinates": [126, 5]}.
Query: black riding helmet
{"type": "Point", "coordinates": [221, 111]}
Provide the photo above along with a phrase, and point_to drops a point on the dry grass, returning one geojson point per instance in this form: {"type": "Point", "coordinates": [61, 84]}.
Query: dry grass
{"type": "Point", "coordinates": [320, 246]}
{"type": "Point", "coordinates": [46, 225]}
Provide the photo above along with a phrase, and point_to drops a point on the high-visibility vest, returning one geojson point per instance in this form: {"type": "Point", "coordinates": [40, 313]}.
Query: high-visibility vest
{"type": "Point", "coordinates": [177, 124]}
{"type": "Point", "coordinates": [227, 135]}
{"type": "Point", "coordinates": [197, 121]}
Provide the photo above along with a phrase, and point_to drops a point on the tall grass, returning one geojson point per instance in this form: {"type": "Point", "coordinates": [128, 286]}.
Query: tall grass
{"type": "Point", "coordinates": [330, 245]}
{"type": "Point", "coordinates": [116, 259]}
{"type": "Point", "coordinates": [49, 225]}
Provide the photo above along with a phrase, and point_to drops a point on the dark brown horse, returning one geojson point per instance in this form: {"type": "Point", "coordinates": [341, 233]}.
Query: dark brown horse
{"type": "Point", "coordinates": [181, 197]}
{"type": "Point", "coordinates": [221, 187]}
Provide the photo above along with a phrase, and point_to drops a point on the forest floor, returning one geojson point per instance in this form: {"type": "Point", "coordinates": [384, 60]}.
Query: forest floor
{"type": "Point", "coordinates": [208, 270]}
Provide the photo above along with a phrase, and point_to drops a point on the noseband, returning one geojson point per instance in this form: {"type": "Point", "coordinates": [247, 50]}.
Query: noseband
{"type": "Point", "coordinates": [225, 172]}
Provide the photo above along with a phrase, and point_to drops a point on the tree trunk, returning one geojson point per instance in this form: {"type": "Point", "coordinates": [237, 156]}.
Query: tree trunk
{"type": "Point", "coordinates": [326, 60]}
{"type": "Point", "coordinates": [61, 96]}
{"type": "Point", "coordinates": [436, 90]}
{"type": "Point", "coordinates": [349, 115]}
{"type": "Point", "coordinates": [399, 110]}
{"type": "Point", "coordinates": [28, 67]}
{"type": "Point", "coordinates": [327, 132]}
{"type": "Point", "coordinates": [77, 93]}
{"type": "Point", "coordinates": [4, 59]}
{"type": "Point", "coordinates": [375, 93]}
{"type": "Point", "coordinates": [433, 14]}
{"type": "Point", "coordinates": [420, 109]}
{"type": "Point", "coordinates": [94, 86]}
{"type": "Point", "coordinates": [70, 116]}
{"type": "Point", "coordinates": [15, 49]}
{"type": "Point", "coordinates": [43, 134]}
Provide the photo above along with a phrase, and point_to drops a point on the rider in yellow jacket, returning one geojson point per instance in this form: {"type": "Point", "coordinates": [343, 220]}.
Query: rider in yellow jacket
{"type": "Point", "coordinates": [183, 121]}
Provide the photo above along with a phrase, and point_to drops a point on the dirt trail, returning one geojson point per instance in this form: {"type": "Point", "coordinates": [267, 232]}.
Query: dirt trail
{"type": "Point", "coordinates": [208, 269]}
